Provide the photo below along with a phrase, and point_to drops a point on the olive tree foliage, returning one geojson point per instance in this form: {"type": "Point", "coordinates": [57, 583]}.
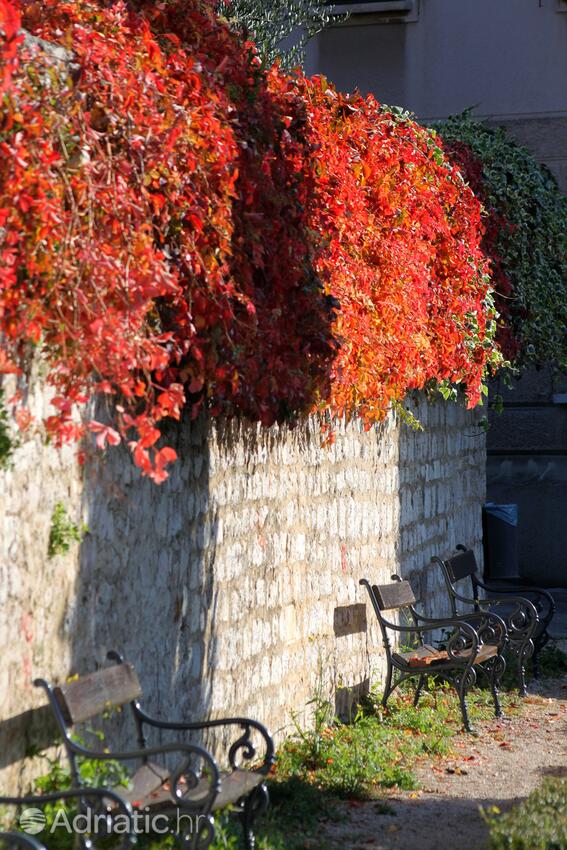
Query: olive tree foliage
{"type": "Point", "coordinates": [280, 28]}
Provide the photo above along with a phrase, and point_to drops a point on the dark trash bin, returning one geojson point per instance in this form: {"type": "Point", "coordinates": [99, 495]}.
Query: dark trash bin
{"type": "Point", "coordinates": [500, 539]}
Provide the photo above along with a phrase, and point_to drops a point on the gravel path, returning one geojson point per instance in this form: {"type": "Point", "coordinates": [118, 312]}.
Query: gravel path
{"type": "Point", "coordinates": [503, 764]}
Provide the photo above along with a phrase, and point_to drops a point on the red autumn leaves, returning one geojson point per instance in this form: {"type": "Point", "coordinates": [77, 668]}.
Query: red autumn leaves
{"type": "Point", "coordinates": [182, 230]}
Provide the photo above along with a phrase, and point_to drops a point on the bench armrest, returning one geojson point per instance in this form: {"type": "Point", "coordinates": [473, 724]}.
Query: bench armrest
{"type": "Point", "coordinates": [491, 628]}
{"type": "Point", "coordinates": [525, 609]}
{"type": "Point", "coordinates": [449, 622]}
{"type": "Point", "coordinates": [522, 621]}
{"type": "Point", "coordinates": [464, 636]}
{"type": "Point", "coordinates": [536, 595]}
{"type": "Point", "coordinates": [242, 748]}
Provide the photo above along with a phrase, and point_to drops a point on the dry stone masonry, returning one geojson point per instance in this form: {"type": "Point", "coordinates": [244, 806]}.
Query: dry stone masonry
{"type": "Point", "coordinates": [233, 587]}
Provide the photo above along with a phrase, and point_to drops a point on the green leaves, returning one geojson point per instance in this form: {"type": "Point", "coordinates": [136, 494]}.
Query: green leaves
{"type": "Point", "coordinates": [63, 532]}
{"type": "Point", "coordinates": [525, 238]}
{"type": "Point", "coordinates": [539, 823]}
{"type": "Point", "coordinates": [7, 441]}
{"type": "Point", "coordinates": [280, 28]}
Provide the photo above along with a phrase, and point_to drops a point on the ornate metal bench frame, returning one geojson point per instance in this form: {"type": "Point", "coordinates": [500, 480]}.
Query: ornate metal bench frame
{"type": "Point", "coordinates": [528, 621]}
{"type": "Point", "coordinates": [196, 786]}
{"type": "Point", "coordinates": [466, 647]}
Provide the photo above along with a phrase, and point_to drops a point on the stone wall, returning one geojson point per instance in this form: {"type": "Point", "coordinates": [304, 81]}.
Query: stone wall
{"type": "Point", "coordinates": [233, 587]}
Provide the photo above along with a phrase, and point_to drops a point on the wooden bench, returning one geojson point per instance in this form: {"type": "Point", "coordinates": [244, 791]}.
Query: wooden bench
{"type": "Point", "coordinates": [466, 648]}
{"type": "Point", "coordinates": [196, 787]}
{"type": "Point", "coordinates": [527, 611]}
{"type": "Point", "coordinates": [96, 800]}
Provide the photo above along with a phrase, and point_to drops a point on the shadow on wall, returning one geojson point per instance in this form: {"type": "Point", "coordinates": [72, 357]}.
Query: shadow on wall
{"type": "Point", "coordinates": [141, 584]}
{"type": "Point", "coordinates": [145, 582]}
{"type": "Point", "coordinates": [350, 620]}
{"type": "Point", "coordinates": [442, 486]}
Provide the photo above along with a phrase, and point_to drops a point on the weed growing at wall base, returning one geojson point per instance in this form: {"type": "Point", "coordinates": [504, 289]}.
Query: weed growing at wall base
{"type": "Point", "coordinates": [7, 441]}
{"type": "Point", "coordinates": [63, 532]}
{"type": "Point", "coordinates": [379, 748]}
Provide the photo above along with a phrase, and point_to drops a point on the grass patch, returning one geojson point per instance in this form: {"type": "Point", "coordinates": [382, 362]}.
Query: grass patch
{"type": "Point", "coordinates": [378, 750]}
{"type": "Point", "coordinates": [539, 823]}
{"type": "Point", "coordinates": [380, 747]}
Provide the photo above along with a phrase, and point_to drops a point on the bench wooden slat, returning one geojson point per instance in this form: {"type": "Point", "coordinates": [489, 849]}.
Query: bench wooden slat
{"type": "Point", "coordinates": [234, 785]}
{"type": "Point", "coordinates": [148, 778]}
{"type": "Point", "coordinates": [394, 595]}
{"type": "Point", "coordinates": [486, 651]}
{"type": "Point", "coordinates": [426, 656]}
{"type": "Point", "coordinates": [462, 565]}
{"type": "Point", "coordinates": [83, 698]}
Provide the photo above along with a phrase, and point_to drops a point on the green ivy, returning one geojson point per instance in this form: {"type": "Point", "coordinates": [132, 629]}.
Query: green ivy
{"type": "Point", "coordinates": [63, 532]}
{"type": "Point", "coordinates": [7, 442]}
{"type": "Point", "coordinates": [280, 28]}
{"type": "Point", "coordinates": [530, 249]}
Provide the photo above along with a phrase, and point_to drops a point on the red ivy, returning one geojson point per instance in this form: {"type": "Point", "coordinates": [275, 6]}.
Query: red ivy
{"type": "Point", "coordinates": [403, 258]}
{"type": "Point", "coordinates": [11, 39]}
{"type": "Point", "coordinates": [179, 227]}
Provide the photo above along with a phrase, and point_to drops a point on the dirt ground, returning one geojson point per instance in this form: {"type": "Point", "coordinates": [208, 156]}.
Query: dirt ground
{"type": "Point", "coordinates": [507, 760]}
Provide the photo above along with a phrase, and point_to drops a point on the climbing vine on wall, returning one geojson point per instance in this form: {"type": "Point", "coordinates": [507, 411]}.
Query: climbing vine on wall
{"type": "Point", "coordinates": [403, 256]}
{"type": "Point", "coordinates": [182, 229]}
{"type": "Point", "coordinates": [281, 29]}
{"type": "Point", "coordinates": [525, 239]}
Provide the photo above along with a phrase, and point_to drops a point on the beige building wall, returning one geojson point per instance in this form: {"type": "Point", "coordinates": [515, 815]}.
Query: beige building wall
{"type": "Point", "coordinates": [505, 58]}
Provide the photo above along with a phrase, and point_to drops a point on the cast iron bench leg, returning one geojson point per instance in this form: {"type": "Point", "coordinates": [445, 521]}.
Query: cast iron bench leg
{"type": "Point", "coordinates": [419, 689]}
{"type": "Point", "coordinates": [255, 805]}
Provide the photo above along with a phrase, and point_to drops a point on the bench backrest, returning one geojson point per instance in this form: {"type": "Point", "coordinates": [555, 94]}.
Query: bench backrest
{"type": "Point", "coordinates": [392, 596]}
{"type": "Point", "coordinates": [461, 565]}
{"type": "Point", "coordinates": [88, 696]}
{"type": "Point", "coordinates": [388, 597]}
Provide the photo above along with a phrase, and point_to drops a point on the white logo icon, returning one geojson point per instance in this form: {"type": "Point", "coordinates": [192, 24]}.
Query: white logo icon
{"type": "Point", "coordinates": [32, 821]}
